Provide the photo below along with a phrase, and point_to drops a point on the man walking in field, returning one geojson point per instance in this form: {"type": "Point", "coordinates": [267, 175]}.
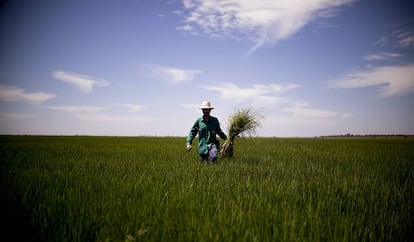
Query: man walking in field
{"type": "Point", "coordinates": [207, 127]}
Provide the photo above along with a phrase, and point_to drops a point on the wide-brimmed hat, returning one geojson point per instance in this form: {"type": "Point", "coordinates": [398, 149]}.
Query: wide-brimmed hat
{"type": "Point", "coordinates": [206, 105]}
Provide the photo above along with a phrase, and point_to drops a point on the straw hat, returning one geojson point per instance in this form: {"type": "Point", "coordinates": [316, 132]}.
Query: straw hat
{"type": "Point", "coordinates": [206, 105]}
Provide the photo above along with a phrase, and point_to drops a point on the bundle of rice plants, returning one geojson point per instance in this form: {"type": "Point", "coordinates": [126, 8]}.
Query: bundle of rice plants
{"type": "Point", "coordinates": [242, 122]}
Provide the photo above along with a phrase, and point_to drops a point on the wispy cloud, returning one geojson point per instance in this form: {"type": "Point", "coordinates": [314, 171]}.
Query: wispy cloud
{"type": "Point", "coordinates": [389, 80]}
{"type": "Point", "coordinates": [382, 56]}
{"type": "Point", "coordinates": [403, 37]}
{"type": "Point", "coordinates": [191, 105]}
{"type": "Point", "coordinates": [78, 109]}
{"type": "Point", "coordinates": [307, 119]}
{"type": "Point", "coordinates": [108, 113]}
{"type": "Point", "coordinates": [6, 116]}
{"type": "Point", "coordinates": [130, 107]}
{"type": "Point", "coordinates": [82, 82]}
{"type": "Point", "coordinates": [172, 75]}
{"type": "Point", "coordinates": [14, 94]}
{"type": "Point", "coordinates": [406, 38]}
{"type": "Point", "coordinates": [264, 21]}
{"type": "Point", "coordinates": [302, 110]}
{"type": "Point", "coordinates": [259, 94]}
{"type": "Point", "coordinates": [305, 127]}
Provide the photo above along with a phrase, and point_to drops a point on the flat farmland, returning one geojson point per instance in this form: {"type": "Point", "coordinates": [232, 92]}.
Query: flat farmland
{"type": "Point", "coordinates": [151, 189]}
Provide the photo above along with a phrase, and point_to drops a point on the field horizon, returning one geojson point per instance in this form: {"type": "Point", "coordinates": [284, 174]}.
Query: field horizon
{"type": "Point", "coordinates": [244, 137]}
{"type": "Point", "coordinates": [116, 188]}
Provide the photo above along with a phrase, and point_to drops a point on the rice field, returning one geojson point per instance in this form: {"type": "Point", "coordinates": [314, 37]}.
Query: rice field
{"type": "Point", "coordinates": [152, 189]}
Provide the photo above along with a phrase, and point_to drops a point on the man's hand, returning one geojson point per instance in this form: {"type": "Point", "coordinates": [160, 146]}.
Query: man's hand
{"type": "Point", "coordinates": [189, 147]}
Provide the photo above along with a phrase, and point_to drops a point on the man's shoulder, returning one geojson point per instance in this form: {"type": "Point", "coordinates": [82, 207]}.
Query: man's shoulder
{"type": "Point", "coordinates": [214, 119]}
{"type": "Point", "coordinates": [211, 118]}
{"type": "Point", "coordinates": [198, 120]}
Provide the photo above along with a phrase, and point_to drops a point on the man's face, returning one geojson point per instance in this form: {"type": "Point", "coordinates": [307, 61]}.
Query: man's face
{"type": "Point", "coordinates": [206, 111]}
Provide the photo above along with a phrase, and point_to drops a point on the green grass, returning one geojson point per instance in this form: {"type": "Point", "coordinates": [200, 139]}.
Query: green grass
{"type": "Point", "coordinates": [151, 189]}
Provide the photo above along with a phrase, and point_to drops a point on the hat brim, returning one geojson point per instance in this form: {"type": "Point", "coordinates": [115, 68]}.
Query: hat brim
{"type": "Point", "coordinates": [206, 107]}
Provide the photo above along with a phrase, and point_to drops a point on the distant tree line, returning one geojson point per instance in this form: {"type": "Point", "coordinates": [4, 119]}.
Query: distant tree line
{"type": "Point", "coordinates": [349, 135]}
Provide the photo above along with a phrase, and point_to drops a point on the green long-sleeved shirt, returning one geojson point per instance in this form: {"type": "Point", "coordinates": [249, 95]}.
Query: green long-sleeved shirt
{"type": "Point", "coordinates": [207, 131]}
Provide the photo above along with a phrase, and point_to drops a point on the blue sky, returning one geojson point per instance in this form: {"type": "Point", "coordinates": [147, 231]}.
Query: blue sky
{"type": "Point", "coordinates": [135, 67]}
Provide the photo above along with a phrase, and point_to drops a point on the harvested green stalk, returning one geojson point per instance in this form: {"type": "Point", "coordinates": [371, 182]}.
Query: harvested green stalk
{"type": "Point", "coordinates": [242, 122]}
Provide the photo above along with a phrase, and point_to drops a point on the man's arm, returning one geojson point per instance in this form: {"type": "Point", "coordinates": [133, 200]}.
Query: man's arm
{"type": "Point", "coordinates": [220, 132]}
{"type": "Point", "coordinates": [193, 132]}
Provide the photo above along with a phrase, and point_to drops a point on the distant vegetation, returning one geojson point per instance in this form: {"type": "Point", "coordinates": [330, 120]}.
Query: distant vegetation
{"type": "Point", "coordinates": [369, 136]}
{"type": "Point", "coordinates": [151, 189]}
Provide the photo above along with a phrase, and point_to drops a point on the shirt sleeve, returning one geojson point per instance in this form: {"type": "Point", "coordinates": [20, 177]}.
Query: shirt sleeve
{"type": "Point", "coordinates": [193, 133]}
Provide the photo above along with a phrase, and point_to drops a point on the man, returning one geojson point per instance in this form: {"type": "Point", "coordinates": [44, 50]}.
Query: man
{"type": "Point", "coordinates": [207, 127]}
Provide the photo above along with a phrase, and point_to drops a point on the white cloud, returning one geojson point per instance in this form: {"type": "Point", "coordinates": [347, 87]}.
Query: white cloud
{"type": "Point", "coordinates": [78, 109]}
{"type": "Point", "coordinates": [82, 82]}
{"type": "Point", "coordinates": [264, 21]}
{"type": "Point", "coordinates": [259, 94]}
{"type": "Point", "coordinates": [180, 75]}
{"type": "Point", "coordinates": [191, 105]}
{"type": "Point", "coordinates": [96, 109]}
{"type": "Point", "coordinates": [302, 110]}
{"type": "Point", "coordinates": [109, 113]}
{"type": "Point", "coordinates": [296, 121]}
{"type": "Point", "coordinates": [14, 94]}
{"type": "Point", "coordinates": [131, 107]}
{"type": "Point", "coordinates": [172, 74]}
{"type": "Point", "coordinates": [389, 80]}
{"type": "Point", "coordinates": [382, 56]}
